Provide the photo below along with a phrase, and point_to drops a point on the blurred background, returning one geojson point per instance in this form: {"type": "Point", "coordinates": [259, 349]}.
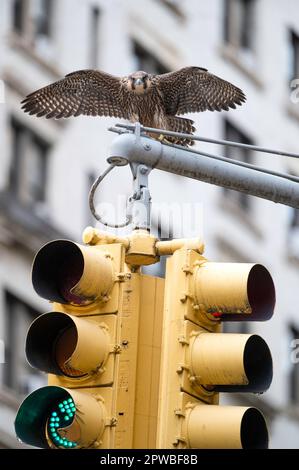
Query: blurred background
{"type": "Point", "coordinates": [47, 166]}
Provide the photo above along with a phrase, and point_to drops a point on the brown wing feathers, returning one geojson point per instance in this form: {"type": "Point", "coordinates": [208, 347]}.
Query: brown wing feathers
{"type": "Point", "coordinates": [193, 89]}
{"type": "Point", "coordinates": [85, 92]}
{"type": "Point", "coordinates": [96, 93]}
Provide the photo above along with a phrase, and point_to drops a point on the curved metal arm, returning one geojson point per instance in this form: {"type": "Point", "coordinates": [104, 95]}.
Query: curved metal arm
{"type": "Point", "coordinates": [91, 198]}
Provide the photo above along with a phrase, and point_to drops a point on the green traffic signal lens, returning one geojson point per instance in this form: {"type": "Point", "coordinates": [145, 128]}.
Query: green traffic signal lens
{"type": "Point", "coordinates": [60, 418]}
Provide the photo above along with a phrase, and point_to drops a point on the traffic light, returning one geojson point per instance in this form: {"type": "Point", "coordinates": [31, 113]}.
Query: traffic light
{"type": "Point", "coordinates": [100, 345]}
{"type": "Point", "coordinates": [76, 344]}
{"type": "Point", "coordinates": [198, 361]}
{"type": "Point", "coordinates": [58, 417]}
{"type": "Point", "coordinates": [136, 364]}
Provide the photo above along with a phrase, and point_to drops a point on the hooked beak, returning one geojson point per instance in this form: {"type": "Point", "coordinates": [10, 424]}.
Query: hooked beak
{"type": "Point", "coordinates": [138, 81]}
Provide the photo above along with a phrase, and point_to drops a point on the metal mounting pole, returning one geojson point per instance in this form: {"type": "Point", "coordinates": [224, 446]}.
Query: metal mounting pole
{"type": "Point", "coordinates": [153, 154]}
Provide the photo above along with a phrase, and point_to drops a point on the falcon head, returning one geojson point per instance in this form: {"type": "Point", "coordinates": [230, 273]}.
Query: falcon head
{"type": "Point", "coordinates": [139, 82]}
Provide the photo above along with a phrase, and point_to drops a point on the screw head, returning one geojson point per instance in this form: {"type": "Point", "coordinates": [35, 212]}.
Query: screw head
{"type": "Point", "coordinates": [147, 147]}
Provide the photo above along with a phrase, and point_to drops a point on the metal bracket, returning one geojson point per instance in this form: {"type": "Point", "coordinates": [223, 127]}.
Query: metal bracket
{"type": "Point", "coordinates": [139, 203]}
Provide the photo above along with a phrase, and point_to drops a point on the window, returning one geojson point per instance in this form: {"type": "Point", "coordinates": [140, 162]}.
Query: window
{"type": "Point", "coordinates": [244, 155]}
{"type": "Point", "coordinates": [294, 219]}
{"type": "Point", "coordinates": [20, 8]}
{"type": "Point", "coordinates": [33, 20]}
{"type": "Point", "coordinates": [28, 166]}
{"type": "Point", "coordinates": [294, 55]}
{"type": "Point", "coordinates": [239, 19]}
{"type": "Point", "coordinates": [17, 373]}
{"type": "Point", "coordinates": [294, 373]}
{"type": "Point", "coordinates": [293, 234]}
{"type": "Point", "coordinates": [146, 61]}
{"type": "Point", "coordinates": [94, 37]}
{"type": "Point", "coordinates": [42, 13]}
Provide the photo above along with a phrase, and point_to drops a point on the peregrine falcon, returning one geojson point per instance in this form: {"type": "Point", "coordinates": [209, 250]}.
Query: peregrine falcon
{"type": "Point", "coordinates": [153, 100]}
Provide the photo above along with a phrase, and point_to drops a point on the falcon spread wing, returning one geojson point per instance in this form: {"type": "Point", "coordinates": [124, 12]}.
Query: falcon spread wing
{"type": "Point", "coordinates": [194, 89]}
{"type": "Point", "coordinates": [88, 92]}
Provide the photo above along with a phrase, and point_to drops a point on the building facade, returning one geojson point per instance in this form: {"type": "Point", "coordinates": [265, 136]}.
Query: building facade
{"type": "Point", "coordinates": [47, 166]}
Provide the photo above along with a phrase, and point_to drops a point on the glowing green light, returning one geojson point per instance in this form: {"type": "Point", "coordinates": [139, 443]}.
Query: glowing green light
{"type": "Point", "coordinates": [63, 413]}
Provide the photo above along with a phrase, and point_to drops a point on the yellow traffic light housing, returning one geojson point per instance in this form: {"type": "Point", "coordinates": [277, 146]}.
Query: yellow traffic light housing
{"type": "Point", "coordinates": [218, 427]}
{"type": "Point", "coordinates": [198, 361]}
{"type": "Point", "coordinates": [94, 346]}
{"type": "Point", "coordinates": [69, 273]}
{"type": "Point", "coordinates": [126, 371]}
{"type": "Point", "coordinates": [62, 350]}
{"type": "Point", "coordinates": [57, 417]}
{"type": "Point", "coordinates": [77, 344]}
{"type": "Point", "coordinates": [229, 362]}
{"type": "Point", "coordinates": [232, 291]}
